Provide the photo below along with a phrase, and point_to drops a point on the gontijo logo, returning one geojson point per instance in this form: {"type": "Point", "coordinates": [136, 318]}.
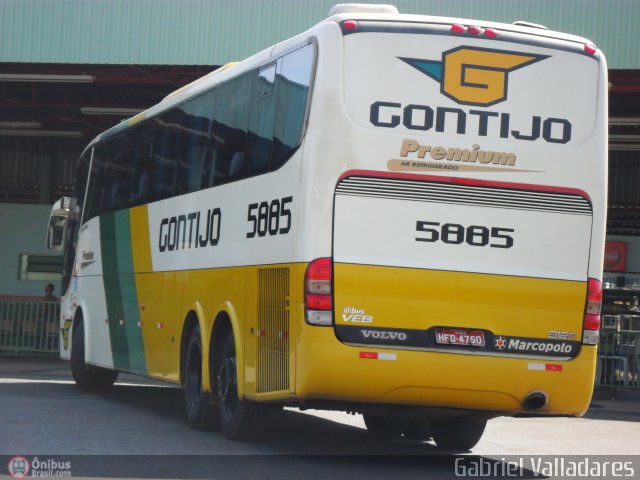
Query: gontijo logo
{"type": "Point", "coordinates": [474, 76]}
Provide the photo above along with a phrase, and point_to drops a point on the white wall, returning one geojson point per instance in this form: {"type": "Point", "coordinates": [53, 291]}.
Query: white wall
{"type": "Point", "coordinates": [22, 230]}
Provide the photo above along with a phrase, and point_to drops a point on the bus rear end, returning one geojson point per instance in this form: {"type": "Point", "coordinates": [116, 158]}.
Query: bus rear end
{"type": "Point", "coordinates": [468, 215]}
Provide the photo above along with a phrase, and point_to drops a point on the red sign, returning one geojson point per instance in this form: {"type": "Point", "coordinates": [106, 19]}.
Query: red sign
{"type": "Point", "coordinates": [615, 257]}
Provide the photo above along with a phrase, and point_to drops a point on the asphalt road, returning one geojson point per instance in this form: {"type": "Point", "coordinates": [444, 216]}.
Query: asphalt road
{"type": "Point", "coordinates": [139, 431]}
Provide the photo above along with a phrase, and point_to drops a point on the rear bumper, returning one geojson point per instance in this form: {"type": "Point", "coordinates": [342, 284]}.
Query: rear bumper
{"type": "Point", "coordinates": [329, 370]}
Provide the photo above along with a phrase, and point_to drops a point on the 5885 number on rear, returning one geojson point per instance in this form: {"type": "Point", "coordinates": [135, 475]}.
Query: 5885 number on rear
{"type": "Point", "coordinates": [456, 234]}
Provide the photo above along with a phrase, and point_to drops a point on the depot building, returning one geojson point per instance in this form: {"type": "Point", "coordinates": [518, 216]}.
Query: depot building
{"type": "Point", "coordinates": [71, 69]}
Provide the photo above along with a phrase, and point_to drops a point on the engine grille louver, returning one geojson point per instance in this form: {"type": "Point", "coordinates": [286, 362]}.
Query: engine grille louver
{"type": "Point", "coordinates": [272, 367]}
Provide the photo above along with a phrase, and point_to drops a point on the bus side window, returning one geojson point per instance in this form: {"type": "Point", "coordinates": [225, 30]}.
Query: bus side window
{"type": "Point", "coordinates": [217, 174]}
{"type": "Point", "coordinates": [230, 125]}
{"type": "Point", "coordinates": [260, 138]}
{"type": "Point", "coordinates": [164, 161]}
{"type": "Point", "coordinates": [293, 80]}
{"type": "Point", "coordinates": [80, 184]}
{"type": "Point", "coordinates": [195, 143]}
{"type": "Point", "coordinates": [119, 173]}
{"type": "Point", "coordinates": [97, 196]}
{"type": "Point", "coordinates": [140, 188]}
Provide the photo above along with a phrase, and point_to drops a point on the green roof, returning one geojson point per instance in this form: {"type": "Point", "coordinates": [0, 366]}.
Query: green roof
{"type": "Point", "coordinates": [213, 32]}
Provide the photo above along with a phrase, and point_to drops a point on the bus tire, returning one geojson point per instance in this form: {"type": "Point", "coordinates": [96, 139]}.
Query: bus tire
{"type": "Point", "coordinates": [88, 378]}
{"type": "Point", "coordinates": [239, 419]}
{"type": "Point", "coordinates": [383, 427]}
{"type": "Point", "coordinates": [459, 433]}
{"type": "Point", "coordinates": [201, 414]}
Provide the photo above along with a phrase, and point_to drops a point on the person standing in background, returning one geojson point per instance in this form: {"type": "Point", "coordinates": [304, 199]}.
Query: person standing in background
{"type": "Point", "coordinates": [50, 321]}
{"type": "Point", "coordinates": [48, 293]}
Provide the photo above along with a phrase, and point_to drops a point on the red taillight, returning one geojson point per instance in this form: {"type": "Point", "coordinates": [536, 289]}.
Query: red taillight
{"type": "Point", "coordinates": [591, 323]}
{"type": "Point", "coordinates": [318, 292]}
{"type": "Point", "coordinates": [590, 49]}
{"type": "Point", "coordinates": [319, 302]}
{"type": "Point", "coordinates": [319, 269]}
{"type": "Point", "coordinates": [594, 296]}
{"type": "Point", "coordinates": [474, 30]}
{"type": "Point", "coordinates": [350, 24]}
{"type": "Point", "coordinates": [490, 32]}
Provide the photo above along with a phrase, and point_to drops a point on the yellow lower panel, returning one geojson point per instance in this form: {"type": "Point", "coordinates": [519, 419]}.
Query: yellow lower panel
{"type": "Point", "coordinates": [420, 299]}
{"type": "Point", "coordinates": [166, 298]}
{"type": "Point", "coordinates": [415, 300]}
{"type": "Point", "coordinates": [330, 370]}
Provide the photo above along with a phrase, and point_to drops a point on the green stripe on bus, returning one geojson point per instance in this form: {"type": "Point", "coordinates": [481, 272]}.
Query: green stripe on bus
{"type": "Point", "coordinates": [111, 279]}
{"type": "Point", "coordinates": [129, 293]}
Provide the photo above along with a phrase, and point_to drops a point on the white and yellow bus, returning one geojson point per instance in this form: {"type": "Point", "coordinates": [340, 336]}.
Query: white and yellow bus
{"type": "Point", "coordinates": [398, 215]}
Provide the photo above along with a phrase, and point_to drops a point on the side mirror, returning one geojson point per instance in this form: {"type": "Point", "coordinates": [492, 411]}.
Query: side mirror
{"type": "Point", "coordinates": [57, 230]}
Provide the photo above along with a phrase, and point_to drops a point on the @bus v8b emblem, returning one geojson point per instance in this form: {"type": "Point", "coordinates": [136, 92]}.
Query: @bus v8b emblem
{"type": "Point", "coordinates": [474, 76]}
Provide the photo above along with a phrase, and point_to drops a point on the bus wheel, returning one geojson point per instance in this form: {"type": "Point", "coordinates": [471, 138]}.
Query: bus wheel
{"type": "Point", "coordinates": [87, 377]}
{"type": "Point", "coordinates": [459, 433]}
{"type": "Point", "coordinates": [239, 419]}
{"type": "Point", "coordinates": [383, 427]}
{"type": "Point", "coordinates": [201, 415]}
